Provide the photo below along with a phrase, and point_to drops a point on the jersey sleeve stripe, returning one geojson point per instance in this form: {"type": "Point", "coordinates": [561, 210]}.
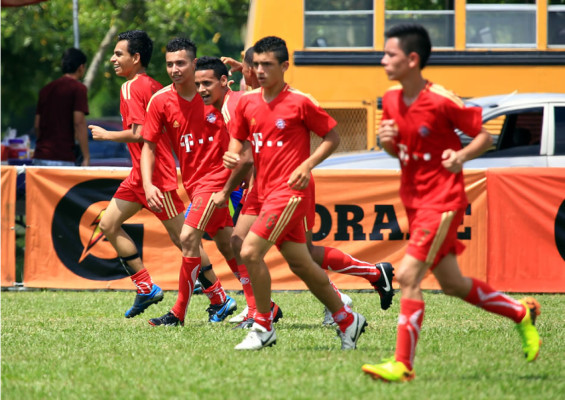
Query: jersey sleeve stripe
{"type": "Point", "coordinates": [126, 90]}
{"type": "Point", "coordinates": [441, 91]}
{"type": "Point", "coordinates": [164, 90]}
{"type": "Point", "coordinates": [307, 95]}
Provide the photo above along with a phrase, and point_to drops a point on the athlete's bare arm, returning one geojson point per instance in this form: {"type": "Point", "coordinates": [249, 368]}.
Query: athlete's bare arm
{"type": "Point", "coordinates": [300, 177]}
{"type": "Point", "coordinates": [132, 135]}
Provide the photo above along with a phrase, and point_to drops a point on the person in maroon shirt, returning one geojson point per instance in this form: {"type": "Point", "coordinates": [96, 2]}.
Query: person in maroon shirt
{"type": "Point", "coordinates": [418, 127]}
{"type": "Point", "coordinates": [60, 115]}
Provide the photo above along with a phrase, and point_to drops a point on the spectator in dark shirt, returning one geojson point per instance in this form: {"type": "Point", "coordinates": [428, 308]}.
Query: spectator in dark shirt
{"type": "Point", "coordinates": [60, 115]}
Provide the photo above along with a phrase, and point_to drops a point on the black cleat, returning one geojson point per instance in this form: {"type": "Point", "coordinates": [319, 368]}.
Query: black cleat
{"type": "Point", "coordinates": [169, 319]}
{"type": "Point", "coordinates": [277, 312]}
{"type": "Point", "coordinates": [383, 285]}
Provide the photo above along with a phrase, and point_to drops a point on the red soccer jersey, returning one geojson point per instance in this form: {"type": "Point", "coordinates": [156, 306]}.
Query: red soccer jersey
{"type": "Point", "coordinates": [198, 135]}
{"type": "Point", "coordinates": [279, 132]}
{"type": "Point", "coordinates": [425, 129]}
{"type": "Point", "coordinates": [134, 97]}
{"type": "Point", "coordinates": [228, 108]}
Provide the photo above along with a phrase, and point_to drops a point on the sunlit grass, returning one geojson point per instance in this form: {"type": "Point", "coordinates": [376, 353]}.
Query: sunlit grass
{"type": "Point", "coordinates": [78, 345]}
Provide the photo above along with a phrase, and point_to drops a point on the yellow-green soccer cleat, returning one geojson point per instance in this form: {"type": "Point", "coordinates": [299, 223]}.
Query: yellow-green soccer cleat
{"type": "Point", "coordinates": [389, 371]}
{"type": "Point", "coordinates": [527, 330]}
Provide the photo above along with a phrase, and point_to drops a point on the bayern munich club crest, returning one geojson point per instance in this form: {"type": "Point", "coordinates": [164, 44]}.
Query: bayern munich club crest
{"type": "Point", "coordinates": [280, 123]}
{"type": "Point", "coordinates": [211, 118]}
{"type": "Point", "coordinates": [424, 131]}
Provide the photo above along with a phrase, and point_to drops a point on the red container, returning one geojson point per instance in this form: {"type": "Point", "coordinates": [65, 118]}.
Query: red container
{"type": "Point", "coordinates": [17, 149]}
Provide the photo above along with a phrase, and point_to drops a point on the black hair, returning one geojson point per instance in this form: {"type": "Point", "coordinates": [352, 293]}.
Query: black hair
{"type": "Point", "coordinates": [72, 59]}
{"type": "Point", "coordinates": [248, 56]}
{"type": "Point", "coordinates": [213, 63]}
{"type": "Point", "coordinates": [272, 44]}
{"type": "Point", "coordinates": [138, 42]}
{"type": "Point", "coordinates": [412, 38]}
{"type": "Point", "coordinates": [180, 43]}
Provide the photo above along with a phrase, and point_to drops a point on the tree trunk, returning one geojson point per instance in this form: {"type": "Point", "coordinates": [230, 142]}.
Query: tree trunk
{"type": "Point", "coordinates": [98, 57]}
{"type": "Point", "coordinates": [135, 6]}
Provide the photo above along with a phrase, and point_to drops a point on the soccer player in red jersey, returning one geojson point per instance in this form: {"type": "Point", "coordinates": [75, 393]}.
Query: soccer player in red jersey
{"type": "Point", "coordinates": [131, 57]}
{"type": "Point", "coordinates": [213, 85]}
{"type": "Point", "coordinates": [249, 81]}
{"type": "Point", "coordinates": [418, 127]}
{"type": "Point", "coordinates": [276, 121]}
{"type": "Point", "coordinates": [199, 139]}
{"type": "Point", "coordinates": [379, 275]}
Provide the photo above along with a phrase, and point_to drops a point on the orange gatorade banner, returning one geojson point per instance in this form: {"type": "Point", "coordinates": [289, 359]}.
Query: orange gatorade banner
{"type": "Point", "coordinates": [9, 178]}
{"type": "Point", "coordinates": [518, 246]}
{"type": "Point", "coordinates": [64, 245]}
{"type": "Point", "coordinates": [358, 212]}
{"type": "Point", "coordinates": [526, 229]}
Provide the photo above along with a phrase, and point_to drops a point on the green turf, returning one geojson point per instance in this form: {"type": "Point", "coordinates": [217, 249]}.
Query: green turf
{"type": "Point", "coordinates": [78, 345]}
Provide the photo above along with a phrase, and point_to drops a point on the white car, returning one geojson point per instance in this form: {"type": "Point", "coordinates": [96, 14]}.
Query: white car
{"type": "Point", "coordinates": [528, 131]}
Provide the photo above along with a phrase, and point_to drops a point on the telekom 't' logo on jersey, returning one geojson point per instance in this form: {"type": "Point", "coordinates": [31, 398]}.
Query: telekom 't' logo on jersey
{"type": "Point", "coordinates": [187, 142]}
{"type": "Point", "coordinates": [258, 143]}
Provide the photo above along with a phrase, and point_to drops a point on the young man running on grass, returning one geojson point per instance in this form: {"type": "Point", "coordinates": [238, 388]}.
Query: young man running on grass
{"type": "Point", "coordinates": [276, 120]}
{"type": "Point", "coordinates": [177, 112]}
{"type": "Point", "coordinates": [131, 57]}
{"type": "Point", "coordinates": [379, 275]}
{"type": "Point", "coordinates": [418, 127]}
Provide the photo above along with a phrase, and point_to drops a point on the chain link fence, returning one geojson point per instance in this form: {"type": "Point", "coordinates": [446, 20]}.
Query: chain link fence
{"type": "Point", "coordinates": [352, 129]}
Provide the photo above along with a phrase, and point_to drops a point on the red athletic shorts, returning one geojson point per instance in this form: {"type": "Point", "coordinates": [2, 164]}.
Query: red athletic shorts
{"type": "Point", "coordinates": [205, 216]}
{"type": "Point", "coordinates": [251, 205]}
{"type": "Point", "coordinates": [282, 217]}
{"type": "Point", "coordinates": [433, 234]}
{"type": "Point", "coordinates": [172, 204]}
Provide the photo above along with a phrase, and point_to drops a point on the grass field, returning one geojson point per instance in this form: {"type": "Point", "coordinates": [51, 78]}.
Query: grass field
{"type": "Point", "coordinates": [78, 345]}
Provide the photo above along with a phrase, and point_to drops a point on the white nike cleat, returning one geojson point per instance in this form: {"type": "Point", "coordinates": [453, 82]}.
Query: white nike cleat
{"type": "Point", "coordinates": [257, 338]}
{"type": "Point", "coordinates": [328, 318]}
{"type": "Point", "coordinates": [239, 317]}
{"type": "Point", "coordinates": [352, 333]}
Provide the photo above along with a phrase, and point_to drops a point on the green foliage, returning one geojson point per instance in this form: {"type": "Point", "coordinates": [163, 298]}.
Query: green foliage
{"type": "Point", "coordinates": [78, 345]}
{"type": "Point", "coordinates": [419, 5]}
{"type": "Point", "coordinates": [35, 37]}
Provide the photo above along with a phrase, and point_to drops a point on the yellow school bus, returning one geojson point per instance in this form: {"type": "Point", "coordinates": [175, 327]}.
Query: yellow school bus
{"type": "Point", "coordinates": [481, 47]}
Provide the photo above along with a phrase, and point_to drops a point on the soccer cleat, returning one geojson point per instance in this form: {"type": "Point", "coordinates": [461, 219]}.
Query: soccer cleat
{"type": "Point", "coordinates": [142, 301]}
{"type": "Point", "coordinates": [351, 335]}
{"type": "Point", "coordinates": [239, 318]}
{"type": "Point", "coordinates": [389, 371]}
{"type": "Point", "coordinates": [328, 317]}
{"type": "Point", "coordinates": [169, 319]}
{"type": "Point", "coordinates": [197, 287]}
{"type": "Point", "coordinates": [383, 285]}
{"type": "Point", "coordinates": [257, 338]}
{"type": "Point", "coordinates": [277, 312]}
{"type": "Point", "coordinates": [531, 341]}
{"type": "Point", "coordinates": [245, 324]}
{"type": "Point", "coordinates": [219, 312]}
